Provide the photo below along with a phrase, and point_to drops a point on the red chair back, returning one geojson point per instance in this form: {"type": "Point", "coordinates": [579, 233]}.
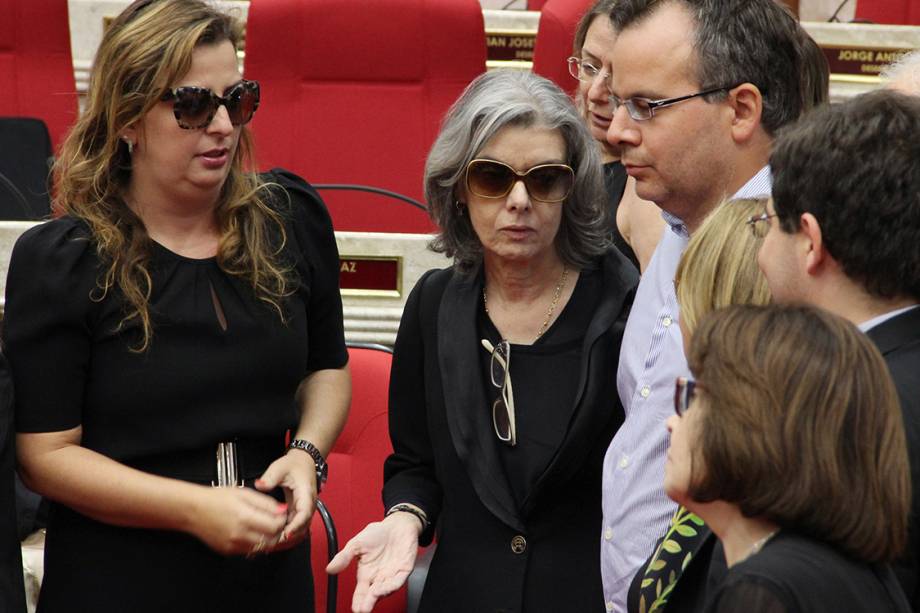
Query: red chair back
{"type": "Point", "coordinates": [36, 69]}
{"type": "Point", "coordinates": [555, 34]}
{"type": "Point", "coordinates": [354, 92]}
{"type": "Point", "coordinates": [903, 12]}
{"type": "Point", "coordinates": [353, 493]}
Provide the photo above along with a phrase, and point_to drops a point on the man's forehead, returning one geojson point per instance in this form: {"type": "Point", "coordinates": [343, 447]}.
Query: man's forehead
{"type": "Point", "coordinates": [655, 53]}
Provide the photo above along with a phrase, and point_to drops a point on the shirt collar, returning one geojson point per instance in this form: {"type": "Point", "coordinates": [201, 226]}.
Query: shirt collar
{"type": "Point", "coordinates": [758, 186]}
{"type": "Point", "coordinates": [877, 321]}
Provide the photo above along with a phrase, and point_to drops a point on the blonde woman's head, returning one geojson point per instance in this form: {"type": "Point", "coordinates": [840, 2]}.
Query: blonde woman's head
{"type": "Point", "coordinates": [719, 266]}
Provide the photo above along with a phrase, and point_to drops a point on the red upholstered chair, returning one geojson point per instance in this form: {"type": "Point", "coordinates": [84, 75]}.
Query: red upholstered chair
{"type": "Point", "coordinates": [555, 34]}
{"type": "Point", "coordinates": [354, 92]}
{"type": "Point", "coordinates": [352, 494]}
{"type": "Point", "coordinates": [904, 12]}
{"type": "Point", "coordinates": [36, 69]}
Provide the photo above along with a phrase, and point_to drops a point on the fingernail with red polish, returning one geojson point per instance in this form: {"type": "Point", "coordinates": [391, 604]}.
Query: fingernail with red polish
{"type": "Point", "coordinates": [282, 507]}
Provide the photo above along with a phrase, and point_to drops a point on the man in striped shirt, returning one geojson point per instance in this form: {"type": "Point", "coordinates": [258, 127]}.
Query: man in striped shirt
{"type": "Point", "coordinates": [698, 90]}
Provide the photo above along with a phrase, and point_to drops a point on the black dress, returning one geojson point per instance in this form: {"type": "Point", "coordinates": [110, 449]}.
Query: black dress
{"type": "Point", "coordinates": [12, 593]}
{"type": "Point", "coordinates": [797, 574]}
{"type": "Point", "coordinates": [615, 185]}
{"type": "Point", "coordinates": [204, 379]}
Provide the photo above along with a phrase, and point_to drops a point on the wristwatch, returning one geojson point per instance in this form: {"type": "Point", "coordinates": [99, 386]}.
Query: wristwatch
{"type": "Point", "coordinates": [322, 469]}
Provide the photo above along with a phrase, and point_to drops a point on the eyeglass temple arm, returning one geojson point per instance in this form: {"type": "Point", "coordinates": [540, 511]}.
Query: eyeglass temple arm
{"type": "Point", "coordinates": [656, 104]}
{"type": "Point", "coordinates": [508, 389]}
{"type": "Point", "coordinates": [491, 349]}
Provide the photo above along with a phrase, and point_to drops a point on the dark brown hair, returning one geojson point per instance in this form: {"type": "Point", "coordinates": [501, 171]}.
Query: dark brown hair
{"type": "Point", "coordinates": [853, 166]}
{"type": "Point", "coordinates": [601, 8]}
{"type": "Point", "coordinates": [801, 425]}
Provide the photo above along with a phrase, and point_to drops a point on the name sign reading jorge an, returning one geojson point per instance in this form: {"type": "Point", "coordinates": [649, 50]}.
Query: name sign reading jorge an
{"type": "Point", "coordinates": [859, 62]}
{"type": "Point", "coordinates": [370, 275]}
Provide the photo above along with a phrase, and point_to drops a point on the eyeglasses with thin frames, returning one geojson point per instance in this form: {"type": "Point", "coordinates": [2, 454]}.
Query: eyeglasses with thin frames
{"type": "Point", "coordinates": [643, 109]}
{"type": "Point", "coordinates": [503, 407]}
{"type": "Point", "coordinates": [585, 70]}
{"type": "Point", "coordinates": [684, 393]}
{"type": "Point", "coordinates": [758, 228]}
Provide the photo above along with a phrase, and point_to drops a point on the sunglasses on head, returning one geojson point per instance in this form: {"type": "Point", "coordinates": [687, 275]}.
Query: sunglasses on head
{"type": "Point", "coordinates": [195, 107]}
{"type": "Point", "coordinates": [546, 182]}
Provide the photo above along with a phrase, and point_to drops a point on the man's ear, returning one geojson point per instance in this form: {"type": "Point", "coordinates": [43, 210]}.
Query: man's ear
{"type": "Point", "coordinates": [746, 104]}
{"type": "Point", "coordinates": [816, 254]}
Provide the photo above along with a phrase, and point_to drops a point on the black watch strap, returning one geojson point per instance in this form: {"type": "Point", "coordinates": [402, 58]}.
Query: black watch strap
{"type": "Point", "coordinates": [322, 469]}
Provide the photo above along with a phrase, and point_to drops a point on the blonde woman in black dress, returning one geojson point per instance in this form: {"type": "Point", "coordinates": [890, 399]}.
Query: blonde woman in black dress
{"type": "Point", "coordinates": [182, 309]}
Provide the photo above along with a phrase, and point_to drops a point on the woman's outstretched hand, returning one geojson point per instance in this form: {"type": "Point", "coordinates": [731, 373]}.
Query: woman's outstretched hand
{"type": "Point", "coordinates": [386, 553]}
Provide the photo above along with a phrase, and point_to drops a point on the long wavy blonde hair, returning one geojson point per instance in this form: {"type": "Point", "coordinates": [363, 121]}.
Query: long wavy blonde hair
{"type": "Point", "coordinates": [146, 49]}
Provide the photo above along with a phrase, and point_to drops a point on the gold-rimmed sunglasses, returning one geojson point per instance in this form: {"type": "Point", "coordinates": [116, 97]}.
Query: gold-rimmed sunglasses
{"type": "Point", "coordinates": [494, 179]}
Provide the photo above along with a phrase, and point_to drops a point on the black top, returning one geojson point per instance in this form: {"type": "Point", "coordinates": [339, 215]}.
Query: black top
{"type": "Point", "coordinates": [797, 574]}
{"type": "Point", "coordinates": [12, 594]}
{"type": "Point", "coordinates": [544, 379]}
{"type": "Point", "coordinates": [164, 410]}
{"type": "Point", "coordinates": [615, 183]}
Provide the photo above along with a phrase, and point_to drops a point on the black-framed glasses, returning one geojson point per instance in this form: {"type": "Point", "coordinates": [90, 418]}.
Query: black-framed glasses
{"type": "Point", "coordinates": [503, 420]}
{"type": "Point", "coordinates": [546, 182]}
{"type": "Point", "coordinates": [195, 107]}
{"type": "Point", "coordinates": [585, 70]}
{"type": "Point", "coordinates": [684, 393]}
{"type": "Point", "coordinates": [642, 109]}
{"type": "Point", "coordinates": [758, 228]}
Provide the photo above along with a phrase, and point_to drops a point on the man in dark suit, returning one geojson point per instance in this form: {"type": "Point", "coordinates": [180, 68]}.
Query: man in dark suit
{"type": "Point", "coordinates": [12, 594]}
{"type": "Point", "coordinates": [843, 235]}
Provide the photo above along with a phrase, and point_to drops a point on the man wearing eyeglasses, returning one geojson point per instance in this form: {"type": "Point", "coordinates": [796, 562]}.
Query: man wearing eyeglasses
{"type": "Point", "coordinates": [843, 235]}
{"type": "Point", "coordinates": [698, 90]}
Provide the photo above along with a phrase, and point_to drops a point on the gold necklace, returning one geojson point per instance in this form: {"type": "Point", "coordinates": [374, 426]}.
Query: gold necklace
{"type": "Point", "coordinates": [552, 307]}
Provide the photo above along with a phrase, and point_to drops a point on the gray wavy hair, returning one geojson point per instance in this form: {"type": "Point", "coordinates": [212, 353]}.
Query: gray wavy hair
{"type": "Point", "coordinates": [493, 101]}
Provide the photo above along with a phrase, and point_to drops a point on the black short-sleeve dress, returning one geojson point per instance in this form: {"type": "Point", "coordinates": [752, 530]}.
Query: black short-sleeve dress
{"type": "Point", "coordinates": [221, 366]}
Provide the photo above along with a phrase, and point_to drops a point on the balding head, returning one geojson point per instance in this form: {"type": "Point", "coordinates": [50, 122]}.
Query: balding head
{"type": "Point", "coordinates": [904, 75]}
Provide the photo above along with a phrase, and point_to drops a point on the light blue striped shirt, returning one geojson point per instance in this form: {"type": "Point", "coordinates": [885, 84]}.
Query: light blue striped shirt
{"type": "Point", "coordinates": [636, 509]}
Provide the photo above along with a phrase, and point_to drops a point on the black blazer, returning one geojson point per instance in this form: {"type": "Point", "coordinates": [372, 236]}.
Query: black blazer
{"type": "Point", "coordinates": [898, 339]}
{"type": "Point", "coordinates": [492, 555]}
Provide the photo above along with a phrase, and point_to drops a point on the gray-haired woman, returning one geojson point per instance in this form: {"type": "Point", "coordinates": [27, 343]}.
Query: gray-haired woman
{"type": "Point", "coordinates": [502, 394]}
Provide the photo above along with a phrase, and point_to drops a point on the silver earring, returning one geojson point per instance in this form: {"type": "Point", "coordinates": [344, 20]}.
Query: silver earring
{"type": "Point", "coordinates": [459, 206]}
{"type": "Point", "coordinates": [130, 144]}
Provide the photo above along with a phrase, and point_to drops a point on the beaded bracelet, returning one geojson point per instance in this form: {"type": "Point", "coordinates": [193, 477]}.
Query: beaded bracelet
{"type": "Point", "coordinates": [408, 508]}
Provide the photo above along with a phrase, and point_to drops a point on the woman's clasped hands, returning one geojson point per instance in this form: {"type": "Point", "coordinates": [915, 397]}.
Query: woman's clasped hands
{"type": "Point", "coordinates": [386, 552]}
{"type": "Point", "coordinates": [242, 521]}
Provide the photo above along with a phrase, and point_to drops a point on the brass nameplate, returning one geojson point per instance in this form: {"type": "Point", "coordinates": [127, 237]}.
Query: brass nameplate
{"type": "Point", "coordinates": [510, 46]}
{"type": "Point", "coordinates": [859, 64]}
{"type": "Point", "coordinates": [366, 275]}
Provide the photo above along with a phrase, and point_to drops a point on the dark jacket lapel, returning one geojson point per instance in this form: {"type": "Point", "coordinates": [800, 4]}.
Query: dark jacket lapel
{"type": "Point", "coordinates": [466, 400]}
